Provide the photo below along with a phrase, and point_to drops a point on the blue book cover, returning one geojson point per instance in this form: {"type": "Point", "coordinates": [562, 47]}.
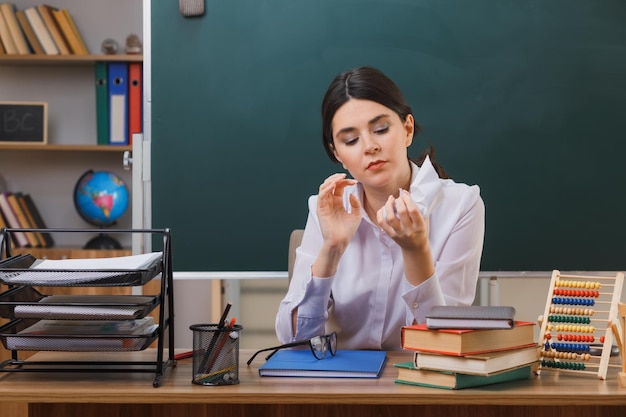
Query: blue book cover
{"type": "Point", "coordinates": [345, 364]}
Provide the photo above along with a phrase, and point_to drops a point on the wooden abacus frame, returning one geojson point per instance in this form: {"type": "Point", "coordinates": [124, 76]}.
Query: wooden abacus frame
{"type": "Point", "coordinates": [621, 377]}
{"type": "Point", "coordinates": [603, 291]}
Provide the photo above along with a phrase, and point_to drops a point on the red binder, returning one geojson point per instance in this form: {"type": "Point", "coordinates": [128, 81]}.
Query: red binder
{"type": "Point", "coordinates": [135, 102]}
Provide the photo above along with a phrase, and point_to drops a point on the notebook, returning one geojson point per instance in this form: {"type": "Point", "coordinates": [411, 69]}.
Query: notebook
{"type": "Point", "coordinates": [345, 364]}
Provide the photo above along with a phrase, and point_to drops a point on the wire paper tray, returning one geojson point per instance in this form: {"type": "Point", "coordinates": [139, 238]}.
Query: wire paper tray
{"type": "Point", "coordinates": [13, 340]}
{"type": "Point", "coordinates": [81, 322]}
{"type": "Point", "coordinates": [27, 302]}
{"type": "Point", "coordinates": [80, 277]}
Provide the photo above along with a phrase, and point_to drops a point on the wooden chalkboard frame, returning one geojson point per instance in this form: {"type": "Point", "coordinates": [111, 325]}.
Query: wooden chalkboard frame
{"type": "Point", "coordinates": [38, 136]}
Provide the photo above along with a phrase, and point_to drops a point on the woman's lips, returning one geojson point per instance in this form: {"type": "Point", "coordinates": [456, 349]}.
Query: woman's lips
{"type": "Point", "coordinates": [376, 165]}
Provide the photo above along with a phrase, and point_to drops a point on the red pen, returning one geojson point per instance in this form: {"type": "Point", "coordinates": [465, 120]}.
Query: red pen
{"type": "Point", "coordinates": [183, 355]}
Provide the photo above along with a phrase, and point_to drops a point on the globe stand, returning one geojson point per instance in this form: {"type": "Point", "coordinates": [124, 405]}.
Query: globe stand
{"type": "Point", "coordinates": [103, 241]}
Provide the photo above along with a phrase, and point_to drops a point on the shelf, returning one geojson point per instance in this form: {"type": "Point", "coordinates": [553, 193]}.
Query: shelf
{"type": "Point", "coordinates": [66, 59]}
{"type": "Point", "coordinates": [67, 83]}
{"type": "Point", "coordinates": [65, 148]}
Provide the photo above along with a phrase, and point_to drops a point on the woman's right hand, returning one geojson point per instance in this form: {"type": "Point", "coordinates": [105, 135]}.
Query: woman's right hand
{"type": "Point", "coordinates": [337, 225]}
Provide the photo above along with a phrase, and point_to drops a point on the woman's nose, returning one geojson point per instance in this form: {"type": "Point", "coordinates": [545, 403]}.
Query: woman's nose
{"type": "Point", "coordinates": [371, 146]}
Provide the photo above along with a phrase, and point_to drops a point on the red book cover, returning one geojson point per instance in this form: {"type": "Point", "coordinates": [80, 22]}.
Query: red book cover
{"type": "Point", "coordinates": [461, 342]}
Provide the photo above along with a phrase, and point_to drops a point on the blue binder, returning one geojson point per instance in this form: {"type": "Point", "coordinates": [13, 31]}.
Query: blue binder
{"type": "Point", "coordinates": [118, 103]}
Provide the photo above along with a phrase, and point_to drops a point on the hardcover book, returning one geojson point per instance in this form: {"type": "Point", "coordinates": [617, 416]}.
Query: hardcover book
{"type": "Point", "coordinates": [467, 341]}
{"type": "Point", "coordinates": [6, 38]}
{"type": "Point", "coordinates": [40, 29]}
{"type": "Point", "coordinates": [38, 220]}
{"type": "Point", "coordinates": [8, 10]}
{"type": "Point", "coordinates": [12, 221]}
{"type": "Point", "coordinates": [70, 19]}
{"type": "Point", "coordinates": [345, 364]}
{"type": "Point", "coordinates": [484, 364]}
{"type": "Point", "coordinates": [72, 37]}
{"type": "Point", "coordinates": [39, 240]}
{"type": "Point", "coordinates": [471, 317]}
{"type": "Point", "coordinates": [22, 219]}
{"type": "Point", "coordinates": [408, 374]}
{"type": "Point", "coordinates": [45, 11]}
{"type": "Point", "coordinates": [27, 28]}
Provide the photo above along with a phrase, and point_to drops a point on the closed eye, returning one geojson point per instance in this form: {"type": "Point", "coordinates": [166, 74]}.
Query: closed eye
{"type": "Point", "coordinates": [380, 127]}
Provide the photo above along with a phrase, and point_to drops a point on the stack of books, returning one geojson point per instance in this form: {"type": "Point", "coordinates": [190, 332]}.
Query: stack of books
{"type": "Point", "coordinates": [467, 349]}
{"type": "Point", "coordinates": [18, 211]}
{"type": "Point", "coordinates": [42, 29]}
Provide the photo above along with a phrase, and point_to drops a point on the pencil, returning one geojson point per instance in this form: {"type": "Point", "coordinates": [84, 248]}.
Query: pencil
{"type": "Point", "coordinates": [216, 334]}
{"type": "Point", "coordinates": [222, 322]}
{"type": "Point", "coordinates": [220, 345]}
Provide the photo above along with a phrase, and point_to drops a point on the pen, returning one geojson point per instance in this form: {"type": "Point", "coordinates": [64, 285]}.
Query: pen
{"type": "Point", "coordinates": [222, 322]}
{"type": "Point", "coordinates": [214, 375]}
{"type": "Point", "coordinates": [183, 355]}
{"type": "Point", "coordinates": [218, 350]}
{"type": "Point", "coordinates": [216, 334]}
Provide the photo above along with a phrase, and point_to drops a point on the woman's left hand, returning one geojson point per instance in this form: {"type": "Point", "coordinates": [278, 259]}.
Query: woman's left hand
{"type": "Point", "coordinates": [402, 220]}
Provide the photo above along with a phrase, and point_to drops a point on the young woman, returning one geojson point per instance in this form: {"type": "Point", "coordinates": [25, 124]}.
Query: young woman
{"type": "Point", "coordinates": [381, 249]}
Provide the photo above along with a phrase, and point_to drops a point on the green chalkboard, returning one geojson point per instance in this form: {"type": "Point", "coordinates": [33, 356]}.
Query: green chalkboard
{"type": "Point", "coordinates": [526, 98]}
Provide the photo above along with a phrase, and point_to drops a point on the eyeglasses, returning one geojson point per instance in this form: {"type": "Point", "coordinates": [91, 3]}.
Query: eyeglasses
{"type": "Point", "coordinates": [319, 346]}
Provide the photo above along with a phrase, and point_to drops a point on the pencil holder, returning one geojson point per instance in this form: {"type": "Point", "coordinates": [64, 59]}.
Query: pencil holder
{"type": "Point", "coordinates": [215, 354]}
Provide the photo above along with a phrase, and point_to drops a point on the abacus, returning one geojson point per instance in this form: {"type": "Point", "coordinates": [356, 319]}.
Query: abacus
{"type": "Point", "coordinates": [581, 311]}
{"type": "Point", "coordinates": [621, 377]}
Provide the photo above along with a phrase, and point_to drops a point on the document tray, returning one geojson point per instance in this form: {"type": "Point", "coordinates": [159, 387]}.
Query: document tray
{"type": "Point", "coordinates": [78, 278]}
{"type": "Point", "coordinates": [101, 321]}
{"type": "Point", "coordinates": [27, 302]}
{"type": "Point", "coordinates": [12, 339]}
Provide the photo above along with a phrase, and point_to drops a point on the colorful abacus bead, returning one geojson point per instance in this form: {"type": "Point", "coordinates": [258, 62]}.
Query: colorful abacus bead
{"type": "Point", "coordinates": [578, 366]}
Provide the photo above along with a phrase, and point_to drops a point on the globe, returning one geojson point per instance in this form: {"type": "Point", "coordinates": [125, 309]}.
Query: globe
{"type": "Point", "coordinates": [101, 198]}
